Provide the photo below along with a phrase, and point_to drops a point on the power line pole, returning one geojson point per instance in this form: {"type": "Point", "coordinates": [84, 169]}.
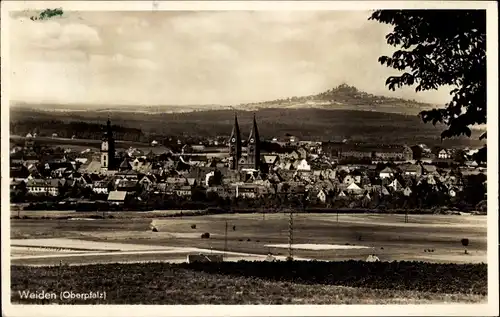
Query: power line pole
{"type": "Point", "coordinates": [225, 240]}
{"type": "Point", "coordinates": [290, 235]}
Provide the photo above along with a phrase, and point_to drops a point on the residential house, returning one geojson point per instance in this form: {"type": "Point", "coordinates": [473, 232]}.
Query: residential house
{"type": "Point", "coordinates": [452, 192]}
{"type": "Point", "coordinates": [183, 191]}
{"type": "Point", "coordinates": [117, 197]}
{"type": "Point", "coordinates": [407, 191]}
{"type": "Point", "coordinates": [321, 196]}
{"type": "Point", "coordinates": [302, 153]}
{"type": "Point", "coordinates": [147, 181]}
{"type": "Point", "coordinates": [43, 187]}
{"type": "Point", "coordinates": [125, 185]}
{"type": "Point", "coordinates": [101, 187]}
{"type": "Point", "coordinates": [270, 160]}
{"type": "Point", "coordinates": [176, 181]}
{"type": "Point", "coordinates": [396, 185]}
{"type": "Point", "coordinates": [386, 173]}
{"type": "Point", "coordinates": [354, 188]}
{"type": "Point", "coordinates": [349, 179]}
{"type": "Point", "coordinates": [429, 170]}
{"type": "Point", "coordinates": [444, 154]}
{"type": "Point", "coordinates": [302, 165]}
{"type": "Point", "coordinates": [219, 190]}
{"type": "Point", "coordinates": [411, 169]}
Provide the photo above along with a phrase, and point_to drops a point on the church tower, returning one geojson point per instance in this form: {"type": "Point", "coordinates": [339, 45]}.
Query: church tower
{"type": "Point", "coordinates": [108, 149]}
{"type": "Point", "coordinates": [235, 145]}
{"type": "Point", "coordinates": [253, 147]}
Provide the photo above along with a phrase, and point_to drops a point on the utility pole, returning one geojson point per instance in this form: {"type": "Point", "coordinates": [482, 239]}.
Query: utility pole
{"type": "Point", "coordinates": [225, 241]}
{"type": "Point", "coordinates": [290, 235]}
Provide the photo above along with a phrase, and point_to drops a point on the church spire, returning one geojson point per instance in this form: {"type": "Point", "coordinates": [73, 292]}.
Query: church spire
{"type": "Point", "coordinates": [253, 147]}
{"type": "Point", "coordinates": [254, 133]}
{"type": "Point", "coordinates": [235, 144]}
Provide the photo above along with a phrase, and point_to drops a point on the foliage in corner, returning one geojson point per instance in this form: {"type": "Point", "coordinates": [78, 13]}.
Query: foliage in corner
{"type": "Point", "coordinates": [441, 48]}
{"type": "Point", "coordinates": [47, 14]}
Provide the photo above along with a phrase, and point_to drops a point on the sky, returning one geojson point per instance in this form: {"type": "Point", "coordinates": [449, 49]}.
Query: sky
{"type": "Point", "coordinates": [197, 57]}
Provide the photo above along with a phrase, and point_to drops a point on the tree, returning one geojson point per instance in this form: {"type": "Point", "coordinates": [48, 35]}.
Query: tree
{"type": "Point", "coordinates": [441, 48]}
{"type": "Point", "coordinates": [417, 152]}
{"type": "Point", "coordinates": [459, 156]}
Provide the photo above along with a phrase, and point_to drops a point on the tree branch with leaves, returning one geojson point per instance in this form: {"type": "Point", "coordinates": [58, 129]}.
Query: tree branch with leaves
{"type": "Point", "coordinates": [441, 48]}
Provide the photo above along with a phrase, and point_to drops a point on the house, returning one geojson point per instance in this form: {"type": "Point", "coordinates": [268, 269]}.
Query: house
{"type": "Point", "coordinates": [354, 188]}
{"type": "Point", "coordinates": [396, 185]}
{"type": "Point", "coordinates": [384, 191]}
{"type": "Point", "coordinates": [471, 164]}
{"type": "Point", "coordinates": [407, 191]}
{"type": "Point", "coordinates": [270, 160]}
{"type": "Point", "coordinates": [431, 180]}
{"type": "Point", "coordinates": [43, 187]}
{"type": "Point", "coordinates": [117, 197]}
{"type": "Point", "coordinates": [125, 166]}
{"type": "Point", "coordinates": [219, 190]}
{"type": "Point", "coordinates": [411, 169]}
{"type": "Point", "coordinates": [147, 180]}
{"type": "Point", "coordinates": [386, 173]}
{"type": "Point", "coordinates": [183, 191]}
{"type": "Point", "coordinates": [349, 179]}
{"type": "Point", "coordinates": [444, 154]}
{"type": "Point", "coordinates": [393, 153]}
{"type": "Point", "coordinates": [429, 169]}
{"type": "Point", "coordinates": [322, 196]}
{"type": "Point", "coordinates": [302, 153]}
{"type": "Point", "coordinates": [452, 192]}
{"type": "Point", "coordinates": [126, 185]}
{"type": "Point", "coordinates": [128, 174]}
{"type": "Point", "coordinates": [177, 181]}
{"type": "Point", "coordinates": [341, 194]}
{"type": "Point", "coordinates": [101, 187]}
{"type": "Point", "coordinates": [302, 165]}
{"type": "Point", "coordinates": [19, 173]}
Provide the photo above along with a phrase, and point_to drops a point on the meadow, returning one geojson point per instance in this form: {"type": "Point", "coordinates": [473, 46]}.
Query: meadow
{"type": "Point", "coordinates": [432, 238]}
{"type": "Point", "coordinates": [160, 283]}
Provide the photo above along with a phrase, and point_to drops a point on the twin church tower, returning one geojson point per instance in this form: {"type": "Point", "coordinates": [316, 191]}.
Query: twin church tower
{"type": "Point", "coordinates": [252, 158]}
{"type": "Point", "coordinates": [238, 160]}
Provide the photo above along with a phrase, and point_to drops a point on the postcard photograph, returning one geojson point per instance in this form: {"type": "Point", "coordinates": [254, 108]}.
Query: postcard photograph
{"type": "Point", "coordinates": [165, 153]}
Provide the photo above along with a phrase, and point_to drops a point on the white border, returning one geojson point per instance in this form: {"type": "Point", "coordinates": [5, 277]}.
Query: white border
{"type": "Point", "coordinates": [490, 309]}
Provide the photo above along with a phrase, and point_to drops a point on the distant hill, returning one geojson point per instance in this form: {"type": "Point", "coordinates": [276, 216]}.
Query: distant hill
{"type": "Point", "coordinates": [342, 97]}
{"type": "Point", "coordinates": [345, 97]}
{"type": "Point", "coordinates": [305, 123]}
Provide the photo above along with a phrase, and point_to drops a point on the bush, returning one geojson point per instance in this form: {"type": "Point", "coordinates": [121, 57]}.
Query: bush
{"type": "Point", "coordinates": [205, 235]}
{"type": "Point", "coordinates": [193, 226]}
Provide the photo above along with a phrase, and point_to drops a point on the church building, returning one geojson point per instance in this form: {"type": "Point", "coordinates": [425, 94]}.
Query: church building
{"type": "Point", "coordinates": [108, 160]}
{"type": "Point", "coordinates": [251, 158]}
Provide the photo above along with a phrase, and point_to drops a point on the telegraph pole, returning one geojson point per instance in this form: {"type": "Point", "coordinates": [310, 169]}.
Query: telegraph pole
{"type": "Point", "coordinates": [290, 235]}
{"type": "Point", "coordinates": [225, 240]}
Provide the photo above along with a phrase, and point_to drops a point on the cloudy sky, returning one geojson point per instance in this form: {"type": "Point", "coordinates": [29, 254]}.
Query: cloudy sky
{"type": "Point", "coordinates": [210, 57]}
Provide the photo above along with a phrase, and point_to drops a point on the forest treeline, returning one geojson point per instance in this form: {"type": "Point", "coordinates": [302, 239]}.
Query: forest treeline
{"type": "Point", "coordinates": [76, 129]}
{"type": "Point", "coordinates": [312, 124]}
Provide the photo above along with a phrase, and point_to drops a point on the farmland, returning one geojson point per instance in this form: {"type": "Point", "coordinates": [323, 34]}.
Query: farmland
{"type": "Point", "coordinates": [52, 253]}
{"type": "Point", "coordinates": [432, 238]}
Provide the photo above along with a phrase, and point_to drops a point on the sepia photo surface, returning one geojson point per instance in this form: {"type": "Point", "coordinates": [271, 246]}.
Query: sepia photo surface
{"type": "Point", "coordinates": [249, 158]}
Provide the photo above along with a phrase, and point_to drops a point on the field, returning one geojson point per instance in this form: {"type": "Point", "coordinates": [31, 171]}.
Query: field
{"type": "Point", "coordinates": [429, 238]}
{"type": "Point", "coordinates": [51, 253]}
